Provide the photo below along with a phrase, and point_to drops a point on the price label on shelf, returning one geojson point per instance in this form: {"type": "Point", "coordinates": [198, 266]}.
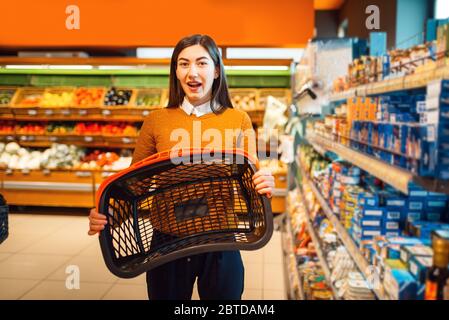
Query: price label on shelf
{"type": "Point", "coordinates": [9, 138]}
{"type": "Point", "coordinates": [83, 174]}
{"type": "Point", "coordinates": [66, 112]}
{"type": "Point", "coordinates": [145, 112]}
{"type": "Point", "coordinates": [48, 112]}
{"type": "Point", "coordinates": [82, 112]}
{"type": "Point", "coordinates": [8, 172]}
{"type": "Point", "coordinates": [23, 138]}
{"type": "Point", "coordinates": [53, 139]}
{"type": "Point", "coordinates": [126, 140]}
{"type": "Point", "coordinates": [46, 172]}
{"type": "Point", "coordinates": [32, 112]}
{"type": "Point", "coordinates": [106, 112]}
{"type": "Point", "coordinates": [88, 139]}
{"type": "Point", "coordinates": [26, 171]}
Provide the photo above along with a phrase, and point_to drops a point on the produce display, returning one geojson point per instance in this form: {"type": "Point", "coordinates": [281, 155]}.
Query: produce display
{"type": "Point", "coordinates": [244, 100]}
{"type": "Point", "coordinates": [30, 128]}
{"type": "Point", "coordinates": [7, 127]}
{"type": "Point", "coordinates": [6, 96]}
{"type": "Point", "coordinates": [60, 156]}
{"type": "Point", "coordinates": [88, 96]}
{"type": "Point", "coordinates": [117, 97]}
{"type": "Point", "coordinates": [104, 160]}
{"type": "Point", "coordinates": [30, 99]}
{"type": "Point", "coordinates": [57, 99]}
{"type": "Point", "coordinates": [148, 99]}
{"type": "Point", "coordinates": [112, 129]}
{"type": "Point", "coordinates": [60, 128]}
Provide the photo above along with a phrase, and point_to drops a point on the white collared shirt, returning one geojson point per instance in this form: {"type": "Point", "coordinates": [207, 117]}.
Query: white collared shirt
{"type": "Point", "coordinates": [198, 111]}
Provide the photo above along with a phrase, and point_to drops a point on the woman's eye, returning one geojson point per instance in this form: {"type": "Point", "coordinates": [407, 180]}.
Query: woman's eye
{"type": "Point", "coordinates": [203, 63]}
{"type": "Point", "coordinates": [183, 64]}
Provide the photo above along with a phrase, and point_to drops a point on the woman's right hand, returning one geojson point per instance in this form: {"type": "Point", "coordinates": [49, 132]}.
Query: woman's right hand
{"type": "Point", "coordinates": [97, 222]}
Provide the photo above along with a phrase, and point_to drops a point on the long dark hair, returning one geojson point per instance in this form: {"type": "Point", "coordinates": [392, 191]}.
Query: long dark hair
{"type": "Point", "coordinates": [220, 99]}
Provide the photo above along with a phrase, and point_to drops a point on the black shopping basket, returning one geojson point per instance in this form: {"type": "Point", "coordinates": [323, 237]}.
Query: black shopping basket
{"type": "Point", "coordinates": [4, 210]}
{"type": "Point", "coordinates": [173, 205]}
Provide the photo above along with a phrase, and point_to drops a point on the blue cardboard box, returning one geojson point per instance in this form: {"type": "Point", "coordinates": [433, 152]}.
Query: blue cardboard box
{"type": "Point", "coordinates": [401, 285]}
{"type": "Point", "coordinates": [373, 212]}
{"type": "Point", "coordinates": [418, 267]}
{"type": "Point", "coordinates": [416, 204]}
{"type": "Point", "coordinates": [433, 216]}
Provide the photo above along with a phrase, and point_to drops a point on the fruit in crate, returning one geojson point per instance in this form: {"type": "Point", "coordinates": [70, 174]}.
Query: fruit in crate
{"type": "Point", "coordinates": [119, 129]}
{"type": "Point", "coordinates": [117, 97]}
{"type": "Point", "coordinates": [83, 128]}
{"type": "Point", "coordinates": [88, 97]}
{"type": "Point", "coordinates": [244, 101]}
{"type": "Point", "coordinates": [148, 100]}
{"type": "Point", "coordinates": [30, 100]}
{"type": "Point", "coordinates": [6, 96]}
{"type": "Point", "coordinates": [6, 127]}
{"type": "Point", "coordinates": [57, 99]}
{"type": "Point", "coordinates": [31, 129]}
{"type": "Point", "coordinates": [60, 128]}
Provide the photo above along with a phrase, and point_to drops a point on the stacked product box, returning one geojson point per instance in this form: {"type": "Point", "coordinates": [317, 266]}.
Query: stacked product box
{"type": "Point", "coordinates": [342, 176]}
{"type": "Point", "coordinates": [389, 213]}
{"type": "Point", "coordinates": [401, 264]}
{"type": "Point", "coordinates": [395, 137]}
{"type": "Point", "coordinates": [435, 115]}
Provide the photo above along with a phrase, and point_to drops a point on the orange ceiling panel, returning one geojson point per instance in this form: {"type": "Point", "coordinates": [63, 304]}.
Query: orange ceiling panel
{"type": "Point", "coordinates": [140, 23]}
{"type": "Point", "coordinates": [328, 4]}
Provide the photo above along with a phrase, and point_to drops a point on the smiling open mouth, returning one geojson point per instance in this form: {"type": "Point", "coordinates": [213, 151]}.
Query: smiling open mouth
{"type": "Point", "coordinates": [194, 84]}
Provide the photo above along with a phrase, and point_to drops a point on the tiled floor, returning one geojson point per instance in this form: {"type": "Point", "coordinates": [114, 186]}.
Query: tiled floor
{"type": "Point", "coordinates": [40, 258]}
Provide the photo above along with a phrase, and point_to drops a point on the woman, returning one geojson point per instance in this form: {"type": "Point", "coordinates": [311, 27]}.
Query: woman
{"type": "Point", "coordinates": [199, 107]}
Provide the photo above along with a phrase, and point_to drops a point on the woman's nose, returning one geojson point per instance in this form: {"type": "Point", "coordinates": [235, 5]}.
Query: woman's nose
{"type": "Point", "coordinates": [193, 71]}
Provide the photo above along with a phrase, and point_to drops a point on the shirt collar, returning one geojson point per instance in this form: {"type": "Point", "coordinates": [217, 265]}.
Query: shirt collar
{"type": "Point", "coordinates": [198, 111]}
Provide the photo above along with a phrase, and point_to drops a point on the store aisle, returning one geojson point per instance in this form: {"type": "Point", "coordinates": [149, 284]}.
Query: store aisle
{"type": "Point", "coordinates": [40, 251]}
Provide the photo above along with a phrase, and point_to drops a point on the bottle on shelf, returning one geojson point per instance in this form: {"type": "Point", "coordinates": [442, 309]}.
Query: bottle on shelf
{"type": "Point", "coordinates": [438, 275]}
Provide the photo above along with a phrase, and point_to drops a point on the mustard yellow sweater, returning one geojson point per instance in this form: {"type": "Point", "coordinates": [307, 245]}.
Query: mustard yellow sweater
{"type": "Point", "coordinates": [171, 128]}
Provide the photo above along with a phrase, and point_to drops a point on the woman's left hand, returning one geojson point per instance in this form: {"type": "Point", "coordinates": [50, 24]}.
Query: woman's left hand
{"type": "Point", "coordinates": [264, 181]}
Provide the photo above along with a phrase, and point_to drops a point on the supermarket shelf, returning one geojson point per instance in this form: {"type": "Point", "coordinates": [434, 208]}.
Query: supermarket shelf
{"type": "Point", "coordinates": [289, 233]}
{"type": "Point", "coordinates": [414, 81]}
{"type": "Point", "coordinates": [135, 114]}
{"type": "Point", "coordinates": [91, 141]}
{"type": "Point", "coordinates": [349, 243]}
{"type": "Point", "coordinates": [432, 185]}
{"type": "Point", "coordinates": [396, 177]}
{"type": "Point", "coordinates": [319, 251]}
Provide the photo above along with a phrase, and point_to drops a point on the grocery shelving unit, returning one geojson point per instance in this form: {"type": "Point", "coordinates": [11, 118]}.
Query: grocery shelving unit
{"type": "Point", "coordinates": [319, 251]}
{"type": "Point", "coordinates": [288, 254]}
{"type": "Point", "coordinates": [410, 82]}
{"type": "Point", "coordinates": [344, 236]}
{"type": "Point", "coordinates": [392, 175]}
{"type": "Point", "coordinates": [141, 75]}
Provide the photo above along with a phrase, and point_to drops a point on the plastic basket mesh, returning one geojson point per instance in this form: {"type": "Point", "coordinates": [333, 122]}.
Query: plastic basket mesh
{"type": "Point", "coordinates": [193, 207]}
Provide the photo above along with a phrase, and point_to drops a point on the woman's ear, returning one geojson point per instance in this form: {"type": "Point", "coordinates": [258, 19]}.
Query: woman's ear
{"type": "Point", "coordinates": [217, 73]}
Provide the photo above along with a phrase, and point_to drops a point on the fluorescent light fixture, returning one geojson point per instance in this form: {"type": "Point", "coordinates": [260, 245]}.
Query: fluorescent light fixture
{"type": "Point", "coordinates": [265, 53]}
{"type": "Point", "coordinates": [154, 53]}
{"type": "Point", "coordinates": [57, 67]}
{"type": "Point", "coordinates": [70, 67]}
{"type": "Point", "coordinates": [24, 66]}
{"type": "Point", "coordinates": [265, 68]}
{"type": "Point", "coordinates": [117, 67]}
{"type": "Point", "coordinates": [442, 9]}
